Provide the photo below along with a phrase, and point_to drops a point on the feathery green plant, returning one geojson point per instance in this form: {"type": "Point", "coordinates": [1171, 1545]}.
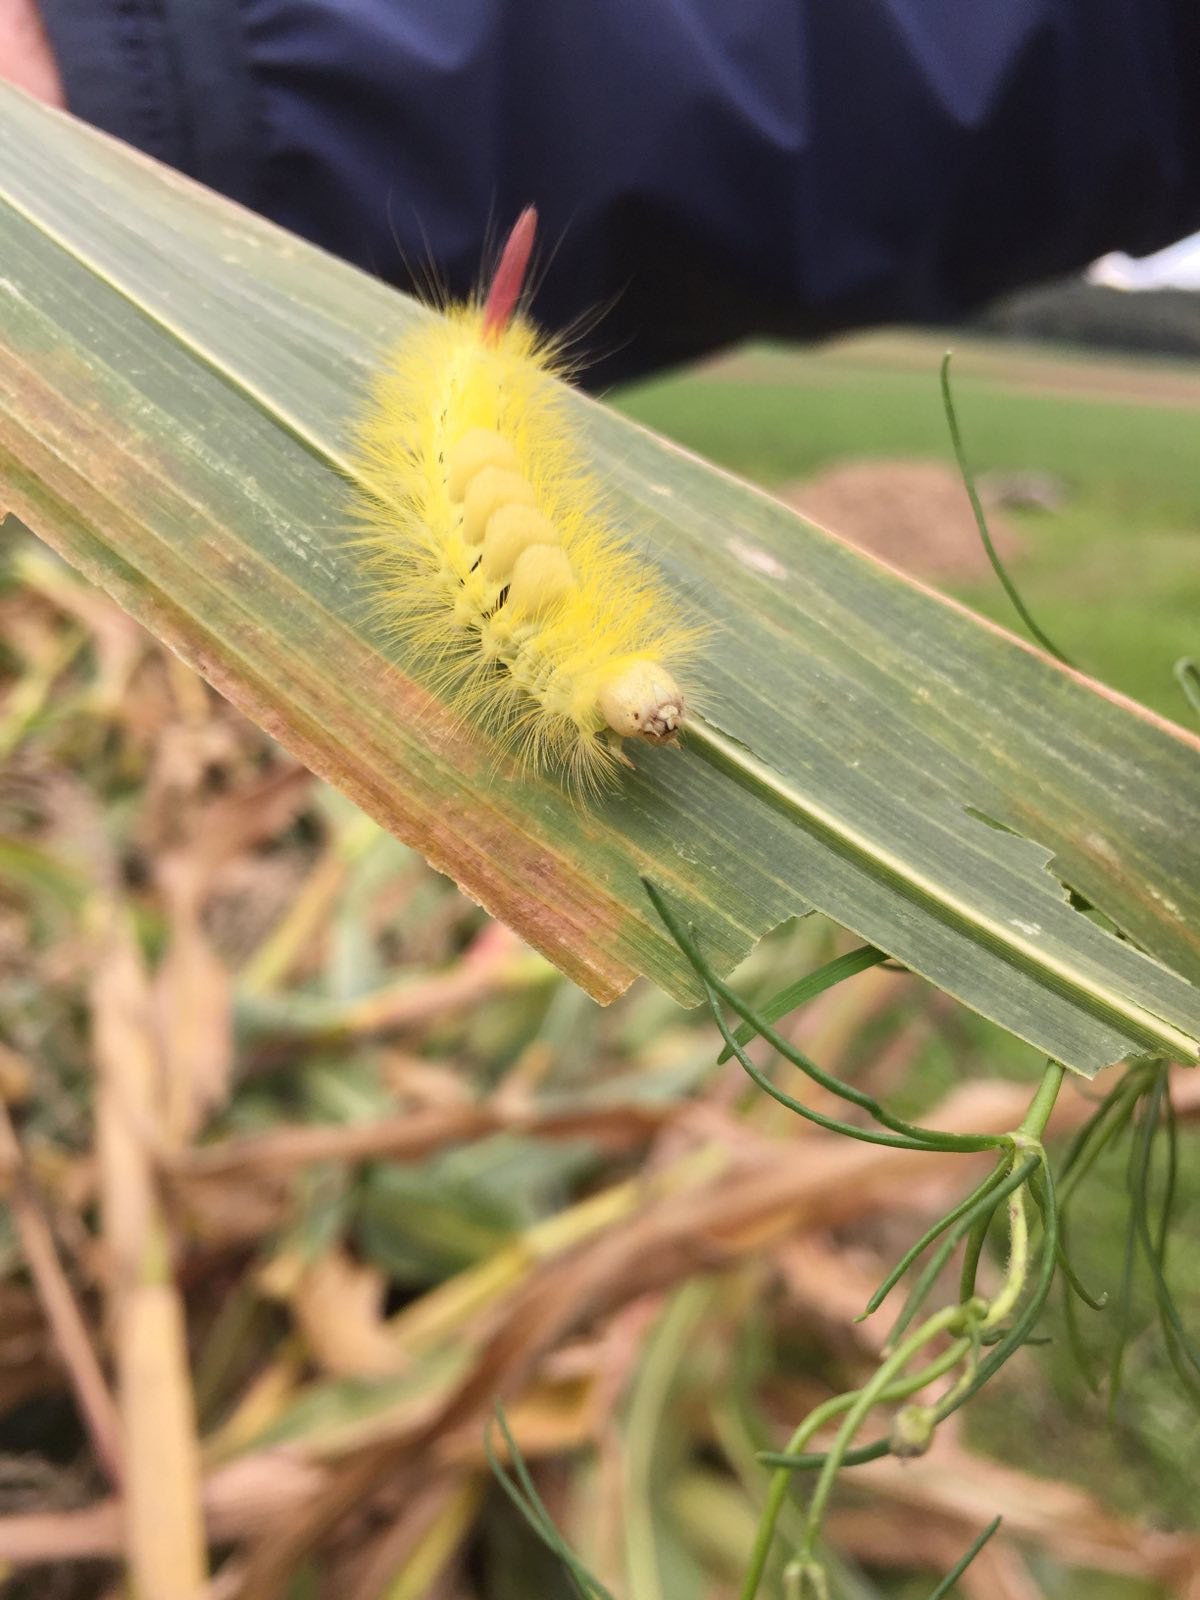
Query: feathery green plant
{"type": "Point", "coordinates": [968, 1342]}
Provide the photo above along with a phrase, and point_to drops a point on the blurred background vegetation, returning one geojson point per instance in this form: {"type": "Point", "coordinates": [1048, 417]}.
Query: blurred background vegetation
{"type": "Point", "coordinates": [408, 1165]}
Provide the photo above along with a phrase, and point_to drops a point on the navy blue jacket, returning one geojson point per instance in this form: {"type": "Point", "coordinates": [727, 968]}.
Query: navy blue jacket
{"type": "Point", "coordinates": [704, 169]}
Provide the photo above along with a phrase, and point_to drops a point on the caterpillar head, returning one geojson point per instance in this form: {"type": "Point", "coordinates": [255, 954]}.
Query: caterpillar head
{"type": "Point", "coordinates": [642, 701]}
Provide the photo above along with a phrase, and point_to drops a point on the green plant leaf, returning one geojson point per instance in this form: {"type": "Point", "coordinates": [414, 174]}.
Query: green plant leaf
{"type": "Point", "coordinates": [176, 378]}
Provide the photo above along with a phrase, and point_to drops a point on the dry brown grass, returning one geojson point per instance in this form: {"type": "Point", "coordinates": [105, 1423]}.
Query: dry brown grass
{"type": "Point", "coordinates": [239, 1020]}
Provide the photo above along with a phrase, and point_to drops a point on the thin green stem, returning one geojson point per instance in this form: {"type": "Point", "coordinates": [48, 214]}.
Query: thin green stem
{"type": "Point", "coordinates": [992, 1362]}
{"type": "Point", "coordinates": [1124, 1315]}
{"type": "Point", "coordinates": [974, 1250]}
{"type": "Point", "coordinates": [1168, 1310]}
{"type": "Point", "coordinates": [882, 1385]}
{"type": "Point", "coordinates": [927, 1238]}
{"type": "Point", "coordinates": [986, 1204]}
{"type": "Point", "coordinates": [777, 1493]}
{"type": "Point", "coordinates": [1187, 675]}
{"type": "Point", "coordinates": [529, 1503]}
{"type": "Point", "coordinates": [1169, 1187]}
{"type": "Point", "coordinates": [900, 1390]}
{"type": "Point", "coordinates": [1079, 1350]}
{"type": "Point", "coordinates": [658, 1370]}
{"type": "Point", "coordinates": [868, 1396]}
{"type": "Point", "coordinates": [1098, 1132]}
{"type": "Point", "coordinates": [808, 988]}
{"type": "Point", "coordinates": [1071, 1277]}
{"type": "Point", "coordinates": [961, 1566]}
{"type": "Point", "coordinates": [1083, 1133]}
{"type": "Point", "coordinates": [1024, 1325]}
{"type": "Point", "coordinates": [813, 1423]}
{"type": "Point", "coordinates": [1075, 1285]}
{"type": "Point", "coordinates": [1033, 1124]}
{"type": "Point", "coordinates": [925, 1138]}
{"type": "Point", "coordinates": [1018, 1259]}
{"type": "Point", "coordinates": [976, 1209]}
{"type": "Point", "coordinates": [968, 478]}
{"type": "Point", "coordinates": [892, 1140]}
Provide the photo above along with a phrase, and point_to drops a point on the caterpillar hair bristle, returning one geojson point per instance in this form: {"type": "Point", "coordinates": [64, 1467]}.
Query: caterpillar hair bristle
{"type": "Point", "coordinates": [488, 547]}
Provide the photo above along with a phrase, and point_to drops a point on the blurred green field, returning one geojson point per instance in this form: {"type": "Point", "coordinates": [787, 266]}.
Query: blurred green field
{"type": "Point", "coordinates": [1114, 577]}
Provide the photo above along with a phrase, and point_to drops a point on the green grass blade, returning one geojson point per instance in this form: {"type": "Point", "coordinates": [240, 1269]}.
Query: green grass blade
{"type": "Point", "coordinates": [175, 382]}
{"type": "Point", "coordinates": [807, 988]}
{"type": "Point", "coordinates": [961, 1566]}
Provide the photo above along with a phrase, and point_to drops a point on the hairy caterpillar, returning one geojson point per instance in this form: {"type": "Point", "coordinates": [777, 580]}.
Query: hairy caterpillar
{"type": "Point", "coordinates": [488, 545]}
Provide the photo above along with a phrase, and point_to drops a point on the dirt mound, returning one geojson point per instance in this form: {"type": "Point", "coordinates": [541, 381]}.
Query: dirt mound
{"type": "Point", "coordinates": [914, 514]}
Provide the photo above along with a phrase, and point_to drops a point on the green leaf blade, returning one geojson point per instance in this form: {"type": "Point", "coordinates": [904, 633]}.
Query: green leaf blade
{"type": "Point", "coordinates": [176, 383]}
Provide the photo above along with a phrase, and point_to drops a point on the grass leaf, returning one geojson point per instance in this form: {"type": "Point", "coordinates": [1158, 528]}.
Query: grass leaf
{"type": "Point", "coordinates": [176, 377]}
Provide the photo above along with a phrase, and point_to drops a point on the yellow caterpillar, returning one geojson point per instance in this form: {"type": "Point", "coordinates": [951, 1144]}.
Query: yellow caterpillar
{"type": "Point", "coordinates": [488, 545]}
